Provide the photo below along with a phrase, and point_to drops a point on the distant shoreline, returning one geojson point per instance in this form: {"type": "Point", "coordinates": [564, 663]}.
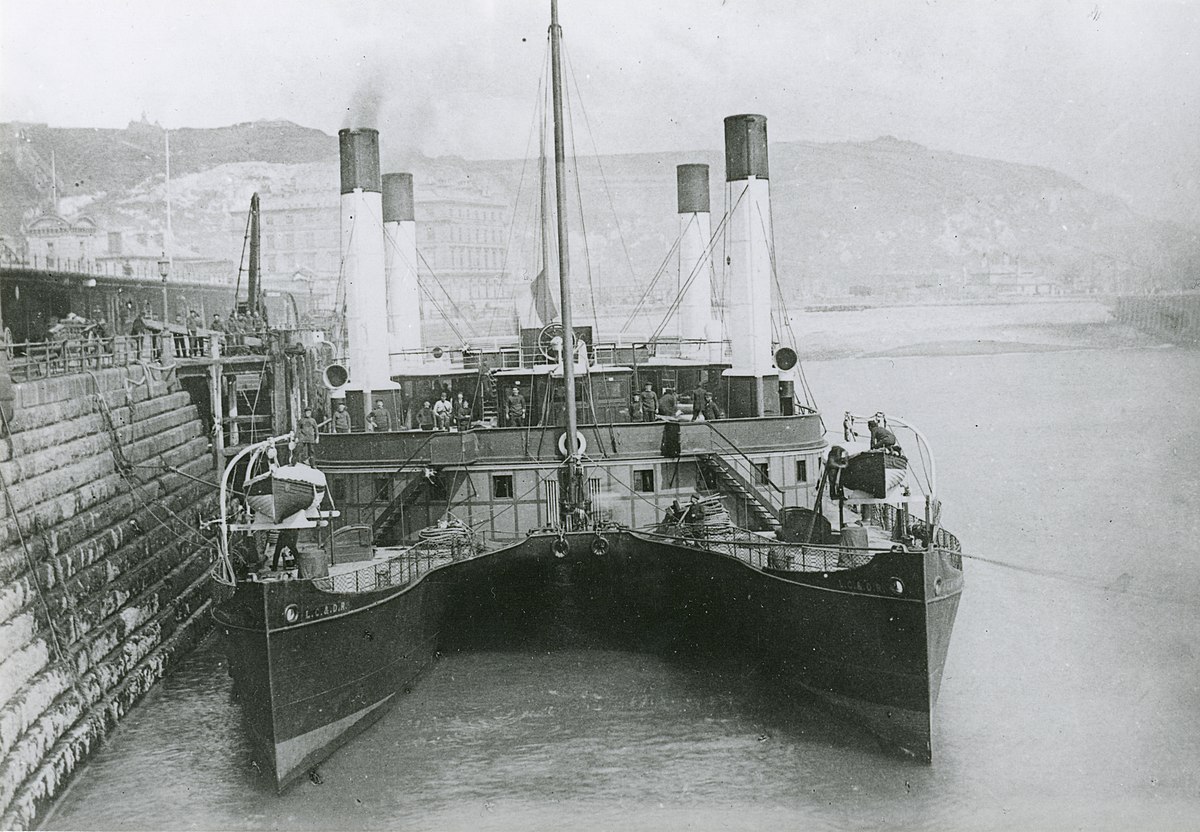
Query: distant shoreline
{"type": "Point", "coordinates": [964, 328]}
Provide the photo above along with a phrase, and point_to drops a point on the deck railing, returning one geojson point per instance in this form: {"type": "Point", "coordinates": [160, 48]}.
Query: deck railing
{"type": "Point", "coordinates": [30, 360]}
{"type": "Point", "coordinates": [402, 569]}
{"type": "Point", "coordinates": [761, 553]}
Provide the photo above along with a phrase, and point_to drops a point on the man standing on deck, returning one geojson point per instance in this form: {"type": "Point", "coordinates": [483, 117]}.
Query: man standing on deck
{"type": "Point", "coordinates": [341, 419]}
{"type": "Point", "coordinates": [515, 407]}
{"type": "Point", "coordinates": [699, 396]}
{"type": "Point", "coordinates": [194, 322]}
{"type": "Point", "coordinates": [712, 410]}
{"type": "Point", "coordinates": [649, 404]}
{"type": "Point", "coordinates": [668, 404]}
{"type": "Point", "coordinates": [425, 420]}
{"type": "Point", "coordinates": [383, 419]}
{"type": "Point", "coordinates": [442, 411]}
{"type": "Point", "coordinates": [462, 412]}
{"type": "Point", "coordinates": [307, 436]}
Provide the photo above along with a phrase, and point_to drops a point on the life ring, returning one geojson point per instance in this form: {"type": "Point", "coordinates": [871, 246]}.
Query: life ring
{"type": "Point", "coordinates": [560, 547]}
{"type": "Point", "coordinates": [580, 442]}
{"type": "Point", "coordinates": [599, 545]}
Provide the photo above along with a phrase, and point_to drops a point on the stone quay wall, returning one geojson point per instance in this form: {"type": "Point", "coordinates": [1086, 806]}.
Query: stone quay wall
{"type": "Point", "coordinates": [1174, 318]}
{"type": "Point", "coordinates": [103, 566]}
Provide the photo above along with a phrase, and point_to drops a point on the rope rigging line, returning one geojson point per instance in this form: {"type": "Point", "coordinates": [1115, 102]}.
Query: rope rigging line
{"type": "Point", "coordinates": [516, 500]}
{"type": "Point", "coordinates": [599, 165]}
{"type": "Point", "coordinates": [401, 254]}
{"type": "Point", "coordinates": [341, 333]}
{"type": "Point", "coordinates": [784, 311]}
{"type": "Point", "coordinates": [124, 468]}
{"type": "Point", "coordinates": [450, 298]}
{"type": "Point", "coordinates": [653, 282]}
{"type": "Point", "coordinates": [587, 254]}
{"type": "Point", "coordinates": [696, 271]}
{"type": "Point", "coordinates": [1090, 583]}
{"type": "Point", "coordinates": [537, 119]}
{"type": "Point", "coordinates": [237, 286]}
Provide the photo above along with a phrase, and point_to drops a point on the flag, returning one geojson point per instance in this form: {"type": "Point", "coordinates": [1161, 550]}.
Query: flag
{"type": "Point", "coordinates": [543, 298]}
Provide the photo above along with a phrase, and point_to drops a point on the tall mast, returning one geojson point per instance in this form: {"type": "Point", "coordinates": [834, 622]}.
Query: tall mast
{"type": "Point", "coordinates": [255, 257]}
{"type": "Point", "coordinates": [545, 211]}
{"type": "Point", "coordinates": [560, 196]}
{"type": "Point", "coordinates": [167, 247]}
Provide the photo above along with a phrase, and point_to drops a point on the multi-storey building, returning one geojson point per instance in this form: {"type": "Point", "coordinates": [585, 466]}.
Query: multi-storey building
{"type": "Point", "coordinates": [460, 243]}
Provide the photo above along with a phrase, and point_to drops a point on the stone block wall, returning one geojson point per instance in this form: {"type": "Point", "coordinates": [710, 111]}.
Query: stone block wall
{"type": "Point", "coordinates": [103, 566]}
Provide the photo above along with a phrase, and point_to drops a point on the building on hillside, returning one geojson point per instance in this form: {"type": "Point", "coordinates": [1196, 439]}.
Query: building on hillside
{"type": "Point", "coordinates": [461, 236]}
{"type": "Point", "coordinates": [137, 252]}
{"type": "Point", "coordinates": [461, 242]}
{"type": "Point", "coordinates": [1004, 274]}
{"type": "Point", "coordinates": [901, 284]}
{"type": "Point", "coordinates": [55, 242]}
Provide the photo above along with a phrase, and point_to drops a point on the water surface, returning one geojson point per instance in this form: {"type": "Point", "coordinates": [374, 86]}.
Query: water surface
{"type": "Point", "coordinates": [1066, 702]}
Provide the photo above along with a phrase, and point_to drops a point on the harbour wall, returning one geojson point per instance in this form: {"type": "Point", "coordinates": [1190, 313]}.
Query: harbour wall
{"type": "Point", "coordinates": [1174, 318]}
{"type": "Point", "coordinates": [103, 566]}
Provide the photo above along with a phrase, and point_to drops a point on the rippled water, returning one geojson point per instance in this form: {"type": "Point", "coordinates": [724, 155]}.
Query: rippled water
{"type": "Point", "coordinates": [1065, 703]}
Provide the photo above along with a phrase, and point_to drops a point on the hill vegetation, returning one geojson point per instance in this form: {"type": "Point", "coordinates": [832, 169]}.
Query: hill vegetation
{"type": "Point", "coordinates": [865, 217]}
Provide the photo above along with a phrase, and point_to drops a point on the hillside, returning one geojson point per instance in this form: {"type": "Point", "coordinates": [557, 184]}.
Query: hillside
{"type": "Point", "coordinates": [94, 164]}
{"type": "Point", "coordinates": [846, 215]}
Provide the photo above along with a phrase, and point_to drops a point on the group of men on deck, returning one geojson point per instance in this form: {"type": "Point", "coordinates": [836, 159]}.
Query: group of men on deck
{"type": "Point", "coordinates": [666, 407]}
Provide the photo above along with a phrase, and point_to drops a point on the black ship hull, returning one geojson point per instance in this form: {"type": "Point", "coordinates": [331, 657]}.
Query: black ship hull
{"type": "Point", "coordinates": [869, 641]}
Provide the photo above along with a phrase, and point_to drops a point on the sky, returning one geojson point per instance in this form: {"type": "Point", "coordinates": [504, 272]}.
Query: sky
{"type": "Point", "coordinates": [1106, 92]}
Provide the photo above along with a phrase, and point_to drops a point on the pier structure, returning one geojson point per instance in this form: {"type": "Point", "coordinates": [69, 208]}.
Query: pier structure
{"type": "Point", "coordinates": [108, 448]}
{"type": "Point", "coordinates": [106, 476]}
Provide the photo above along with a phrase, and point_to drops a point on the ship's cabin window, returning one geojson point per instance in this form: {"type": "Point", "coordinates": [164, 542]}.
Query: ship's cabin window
{"type": "Point", "coordinates": [383, 488]}
{"type": "Point", "coordinates": [762, 473]}
{"type": "Point", "coordinates": [502, 486]}
{"type": "Point", "coordinates": [643, 480]}
{"type": "Point", "coordinates": [801, 470]}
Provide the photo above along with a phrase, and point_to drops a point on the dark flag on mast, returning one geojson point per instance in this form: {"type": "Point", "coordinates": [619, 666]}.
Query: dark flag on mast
{"type": "Point", "coordinates": [543, 298]}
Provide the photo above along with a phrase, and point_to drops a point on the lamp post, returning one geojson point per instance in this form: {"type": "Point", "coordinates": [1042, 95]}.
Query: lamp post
{"type": "Point", "coordinates": [164, 269]}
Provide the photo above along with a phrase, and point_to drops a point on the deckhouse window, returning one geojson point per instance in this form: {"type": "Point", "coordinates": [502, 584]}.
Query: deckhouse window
{"type": "Point", "coordinates": [801, 470]}
{"type": "Point", "coordinates": [502, 486]}
{"type": "Point", "coordinates": [643, 480]}
{"type": "Point", "coordinates": [762, 473]}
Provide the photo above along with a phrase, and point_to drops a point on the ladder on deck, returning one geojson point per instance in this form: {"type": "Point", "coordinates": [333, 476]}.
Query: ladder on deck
{"type": "Point", "coordinates": [758, 505]}
{"type": "Point", "coordinates": [394, 512]}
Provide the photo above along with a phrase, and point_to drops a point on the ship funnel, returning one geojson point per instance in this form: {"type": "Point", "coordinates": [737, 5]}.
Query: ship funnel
{"type": "Point", "coordinates": [363, 266]}
{"type": "Point", "coordinates": [400, 268]}
{"type": "Point", "coordinates": [753, 379]}
{"type": "Point", "coordinates": [695, 255]}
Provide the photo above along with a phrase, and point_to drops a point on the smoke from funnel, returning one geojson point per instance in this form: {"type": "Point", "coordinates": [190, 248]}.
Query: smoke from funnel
{"type": "Point", "coordinates": [367, 99]}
